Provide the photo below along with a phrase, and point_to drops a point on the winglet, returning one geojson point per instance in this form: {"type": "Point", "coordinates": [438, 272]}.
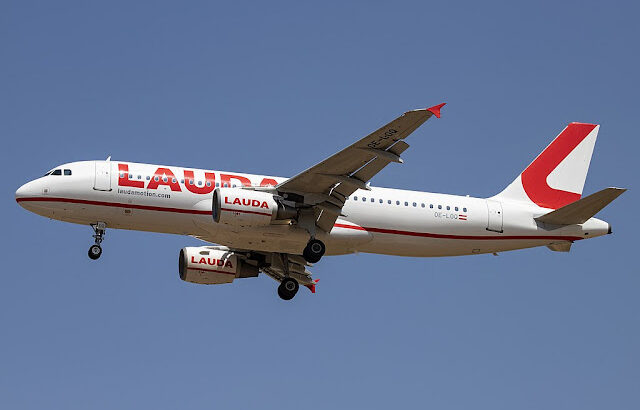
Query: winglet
{"type": "Point", "coordinates": [312, 287]}
{"type": "Point", "coordinates": [435, 110]}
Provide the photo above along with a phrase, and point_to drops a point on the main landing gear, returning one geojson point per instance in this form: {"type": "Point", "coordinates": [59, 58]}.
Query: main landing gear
{"type": "Point", "coordinates": [314, 251]}
{"type": "Point", "coordinates": [288, 288]}
{"type": "Point", "coordinates": [96, 250]}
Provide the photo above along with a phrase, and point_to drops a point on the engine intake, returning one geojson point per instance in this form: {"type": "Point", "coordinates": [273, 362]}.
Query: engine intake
{"type": "Point", "coordinates": [211, 266]}
{"type": "Point", "coordinates": [247, 208]}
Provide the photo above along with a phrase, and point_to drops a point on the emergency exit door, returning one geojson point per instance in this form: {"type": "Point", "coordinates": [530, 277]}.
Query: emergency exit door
{"type": "Point", "coordinates": [495, 216]}
{"type": "Point", "coordinates": [102, 181]}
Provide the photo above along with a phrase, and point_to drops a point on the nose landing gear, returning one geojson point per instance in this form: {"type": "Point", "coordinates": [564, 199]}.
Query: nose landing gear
{"type": "Point", "coordinates": [288, 288]}
{"type": "Point", "coordinates": [99, 230]}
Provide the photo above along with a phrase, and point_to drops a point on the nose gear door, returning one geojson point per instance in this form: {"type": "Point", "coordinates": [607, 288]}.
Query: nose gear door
{"type": "Point", "coordinates": [102, 181]}
{"type": "Point", "coordinates": [495, 216]}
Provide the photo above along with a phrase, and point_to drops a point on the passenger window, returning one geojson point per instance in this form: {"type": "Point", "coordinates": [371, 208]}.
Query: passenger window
{"type": "Point", "coordinates": [406, 203]}
{"type": "Point", "coordinates": [217, 184]}
{"type": "Point", "coordinates": [165, 179]}
{"type": "Point", "coordinates": [414, 204]}
{"type": "Point", "coordinates": [234, 185]}
{"type": "Point", "coordinates": [355, 198]}
{"type": "Point", "coordinates": [208, 183]}
{"type": "Point", "coordinates": [422, 205]}
{"type": "Point", "coordinates": [397, 202]}
{"type": "Point", "coordinates": [439, 206]}
{"type": "Point", "coordinates": [464, 209]}
{"type": "Point", "coordinates": [431, 206]}
{"type": "Point", "coordinates": [148, 177]}
{"type": "Point", "coordinates": [191, 182]}
{"type": "Point", "coordinates": [364, 199]}
{"type": "Point", "coordinates": [381, 201]}
{"type": "Point", "coordinates": [456, 208]}
{"type": "Point", "coordinates": [373, 200]}
{"type": "Point", "coordinates": [57, 172]}
{"type": "Point", "coordinates": [139, 176]}
{"type": "Point", "coordinates": [67, 172]}
{"type": "Point", "coordinates": [448, 207]}
{"type": "Point", "coordinates": [182, 181]}
{"type": "Point", "coordinates": [130, 176]}
{"type": "Point", "coordinates": [173, 180]}
{"type": "Point", "coordinates": [389, 201]}
{"type": "Point", "coordinates": [156, 178]}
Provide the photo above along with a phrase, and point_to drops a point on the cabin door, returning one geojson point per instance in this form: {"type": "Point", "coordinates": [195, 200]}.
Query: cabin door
{"type": "Point", "coordinates": [495, 216]}
{"type": "Point", "coordinates": [102, 181]}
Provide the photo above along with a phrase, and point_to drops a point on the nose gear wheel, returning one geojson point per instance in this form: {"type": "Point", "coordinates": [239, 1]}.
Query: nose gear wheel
{"type": "Point", "coordinates": [99, 230]}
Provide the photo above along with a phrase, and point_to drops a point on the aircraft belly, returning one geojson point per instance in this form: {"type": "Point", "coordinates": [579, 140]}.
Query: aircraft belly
{"type": "Point", "coordinates": [433, 247]}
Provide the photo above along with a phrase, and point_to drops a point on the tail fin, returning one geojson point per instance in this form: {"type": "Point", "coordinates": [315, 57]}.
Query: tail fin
{"type": "Point", "coordinates": [556, 177]}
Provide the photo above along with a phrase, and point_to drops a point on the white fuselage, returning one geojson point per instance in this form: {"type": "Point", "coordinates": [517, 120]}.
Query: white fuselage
{"type": "Point", "coordinates": [177, 200]}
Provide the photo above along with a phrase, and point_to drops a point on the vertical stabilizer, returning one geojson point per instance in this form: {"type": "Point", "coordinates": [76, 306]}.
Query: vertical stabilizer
{"type": "Point", "coordinates": [556, 177]}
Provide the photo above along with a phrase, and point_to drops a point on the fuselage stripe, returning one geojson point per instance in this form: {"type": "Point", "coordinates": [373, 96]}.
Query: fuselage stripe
{"type": "Point", "coordinates": [115, 204]}
{"type": "Point", "coordinates": [444, 236]}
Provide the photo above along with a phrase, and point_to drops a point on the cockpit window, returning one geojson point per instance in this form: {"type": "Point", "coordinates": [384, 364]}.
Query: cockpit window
{"type": "Point", "coordinates": [57, 172]}
{"type": "Point", "coordinates": [67, 172]}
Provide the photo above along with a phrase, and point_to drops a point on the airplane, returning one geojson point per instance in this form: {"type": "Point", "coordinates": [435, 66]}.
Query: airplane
{"type": "Point", "coordinates": [282, 226]}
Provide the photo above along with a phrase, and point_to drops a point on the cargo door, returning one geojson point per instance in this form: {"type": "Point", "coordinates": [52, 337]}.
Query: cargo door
{"type": "Point", "coordinates": [102, 181]}
{"type": "Point", "coordinates": [495, 216]}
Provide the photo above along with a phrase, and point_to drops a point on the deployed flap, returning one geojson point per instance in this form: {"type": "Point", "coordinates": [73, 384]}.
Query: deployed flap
{"type": "Point", "coordinates": [581, 210]}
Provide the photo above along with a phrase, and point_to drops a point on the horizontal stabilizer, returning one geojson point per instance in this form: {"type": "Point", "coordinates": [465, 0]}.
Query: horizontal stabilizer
{"type": "Point", "coordinates": [580, 211]}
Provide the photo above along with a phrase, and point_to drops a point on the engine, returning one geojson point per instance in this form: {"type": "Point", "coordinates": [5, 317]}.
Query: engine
{"type": "Point", "coordinates": [208, 265]}
{"type": "Point", "coordinates": [247, 208]}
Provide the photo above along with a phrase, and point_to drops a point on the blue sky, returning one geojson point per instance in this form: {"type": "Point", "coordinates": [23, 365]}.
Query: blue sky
{"type": "Point", "coordinates": [273, 88]}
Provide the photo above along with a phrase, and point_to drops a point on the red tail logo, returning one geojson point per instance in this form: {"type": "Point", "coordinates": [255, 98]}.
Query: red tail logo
{"type": "Point", "coordinates": [534, 178]}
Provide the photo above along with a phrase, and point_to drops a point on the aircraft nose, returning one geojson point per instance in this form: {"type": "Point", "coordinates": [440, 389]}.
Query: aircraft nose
{"type": "Point", "coordinates": [25, 191]}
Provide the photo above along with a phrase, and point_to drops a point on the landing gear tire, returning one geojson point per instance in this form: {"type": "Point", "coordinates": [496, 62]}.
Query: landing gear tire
{"type": "Point", "coordinates": [288, 288]}
{"type": "Point", "coordinates": [314, 251]}
{"type": "Point", "coordinates": [95, 251]}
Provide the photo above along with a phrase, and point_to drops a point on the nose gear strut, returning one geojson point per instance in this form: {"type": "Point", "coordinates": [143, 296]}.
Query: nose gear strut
{"type": "Point", "coordinates": [99, 230]}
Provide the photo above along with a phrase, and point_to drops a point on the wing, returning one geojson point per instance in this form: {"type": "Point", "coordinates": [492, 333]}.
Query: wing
{"type": "Point", "coordinates": [325, 186]}
{"type": "Point", "coordinates": [273, 264]}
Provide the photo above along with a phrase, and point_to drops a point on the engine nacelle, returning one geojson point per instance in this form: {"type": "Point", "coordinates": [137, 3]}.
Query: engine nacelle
{"type": "Point", "coordinates": [247, 208]}
{"type": "Point", "coordinates": [208, 265]}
